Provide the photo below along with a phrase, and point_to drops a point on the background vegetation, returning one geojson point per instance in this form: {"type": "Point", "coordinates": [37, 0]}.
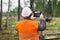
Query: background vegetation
{"type": "Point", "coordinates": [9, 19]}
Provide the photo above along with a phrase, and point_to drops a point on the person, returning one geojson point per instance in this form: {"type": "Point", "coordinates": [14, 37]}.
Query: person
{"type": "Point", "coordinates": [28, 27]}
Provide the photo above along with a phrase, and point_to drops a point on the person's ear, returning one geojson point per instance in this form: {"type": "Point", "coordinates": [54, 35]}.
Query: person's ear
{"type": "Point", "coordinates": [32, 17]}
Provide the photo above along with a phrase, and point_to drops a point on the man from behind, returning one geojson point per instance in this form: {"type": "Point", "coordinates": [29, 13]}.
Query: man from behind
{"type": "Point", "coordinates": [28, 28]}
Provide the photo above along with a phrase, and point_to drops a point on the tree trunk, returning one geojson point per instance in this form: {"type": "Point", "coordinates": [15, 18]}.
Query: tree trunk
{"type": "Point", "coordinates": [18, 10]}
{"type": "Point", "coordinates": [1, 16]}
{"type": "Point", "coordinates": [44, 7]}
{"type": "Point", "coordinates": [54, 7]}
{"type": "Point", "coordinates": [31, 4]}
{"type": "Point", "coordinates": [7, 15]}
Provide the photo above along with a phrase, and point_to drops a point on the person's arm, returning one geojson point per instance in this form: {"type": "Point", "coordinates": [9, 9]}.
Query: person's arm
{"type": "Point", "coordinates": [42, 23]}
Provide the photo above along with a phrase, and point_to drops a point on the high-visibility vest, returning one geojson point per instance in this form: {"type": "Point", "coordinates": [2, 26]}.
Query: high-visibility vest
{"type": "Point", "coordinates": [27, 35]}
{"type": "Point", "coordinates": [27, 28]}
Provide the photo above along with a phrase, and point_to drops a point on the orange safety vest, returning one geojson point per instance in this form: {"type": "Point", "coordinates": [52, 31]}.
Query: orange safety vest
{"type": "Point", "coordinates": [28, 29]}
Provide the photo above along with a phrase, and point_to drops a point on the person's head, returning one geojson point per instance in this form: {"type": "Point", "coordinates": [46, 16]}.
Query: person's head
{"type": "Point", "coordinates": [27, 13]}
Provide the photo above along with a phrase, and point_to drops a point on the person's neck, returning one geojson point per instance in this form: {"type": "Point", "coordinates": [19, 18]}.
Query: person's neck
{"type": "Point", "coordinates": [27, 19]}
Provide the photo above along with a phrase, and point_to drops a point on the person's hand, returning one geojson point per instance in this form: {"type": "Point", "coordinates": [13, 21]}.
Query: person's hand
{"type": "Point", "coordinates": [41, 16]}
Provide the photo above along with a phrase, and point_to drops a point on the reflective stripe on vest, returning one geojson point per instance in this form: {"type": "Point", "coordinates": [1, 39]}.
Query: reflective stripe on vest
{"type": "Point", "coordinates": [27, 35]}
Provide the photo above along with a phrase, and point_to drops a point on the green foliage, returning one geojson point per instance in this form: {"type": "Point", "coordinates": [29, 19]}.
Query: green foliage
{"type": "Point", "coordinates": [49, 8]}
{"type": "Point", "coordinates": [58, 9]}
{"type": "Point", "coordinates": [55, 23]}
{"type": "Point", "coordinates": [12, 21]}
{"type": "Point", "coordinates": [39, 5]}
{"type": "Point", "coordinates": [54, 4]}
{"type": "Point", "coordinates": [55, 11]}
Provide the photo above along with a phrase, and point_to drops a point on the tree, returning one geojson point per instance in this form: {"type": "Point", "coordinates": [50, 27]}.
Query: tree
{"type": "Point", "coordinates": [49, 9]}
{"type": "Point", "coordinates": [54, 4]}
{"type": "Point", "coordinates": [54, 7]}
{"type": "Point", "coordinates": [39, 5]}
{"type": "Point", "coordinates": [1, 16]}
{"type": "Point", "coordinates": [31, 4]}
{"type": "Point", "coordinates": [44, 7]}
{"type": "Point", "coordinates": [58, 10]}
{"type": "Point", "coordinates": [7, 21]}
{"type": "Point", "coordinates": [19, 10]}
{"type": "Point", "coordinates": [15, 11]}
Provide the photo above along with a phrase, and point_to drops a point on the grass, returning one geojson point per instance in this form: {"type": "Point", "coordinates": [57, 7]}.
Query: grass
{"type": "Point", "coordinates": [55, 23]}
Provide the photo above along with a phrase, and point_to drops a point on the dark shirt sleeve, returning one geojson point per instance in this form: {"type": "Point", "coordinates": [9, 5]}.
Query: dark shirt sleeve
{"type": "Point", "coordinates": [42, 25]}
